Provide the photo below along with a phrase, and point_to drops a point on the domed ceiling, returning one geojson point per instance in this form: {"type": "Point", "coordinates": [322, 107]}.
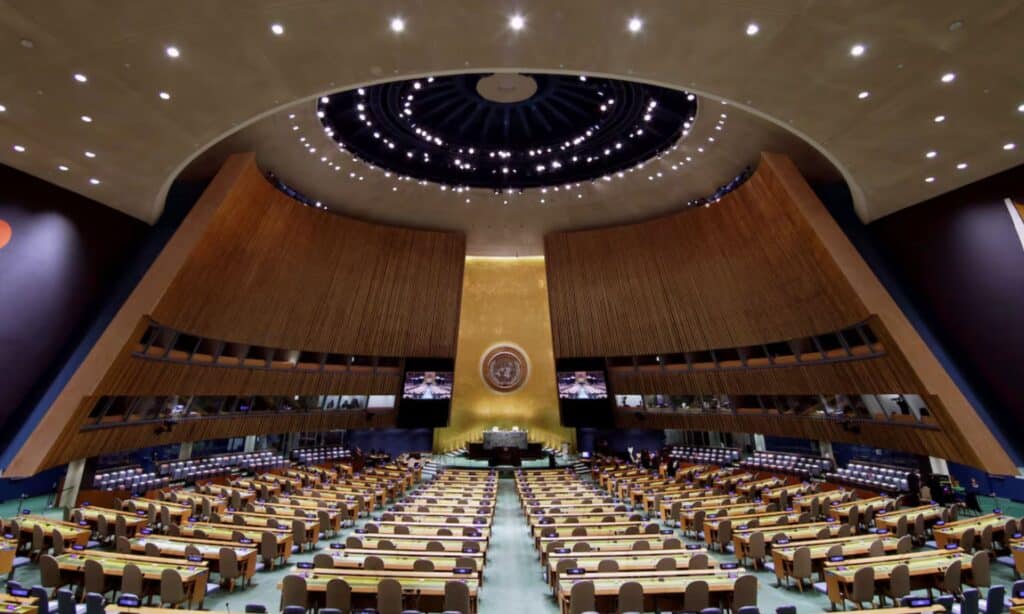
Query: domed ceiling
{"type": "Point", "coordinates": [507, 130]}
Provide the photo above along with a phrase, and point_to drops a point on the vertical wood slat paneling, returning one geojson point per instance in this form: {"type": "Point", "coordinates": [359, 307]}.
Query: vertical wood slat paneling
{"type": "Point", "coordinates": [270, 271]}
{"type": "Point", "coordinates": [745, 270]}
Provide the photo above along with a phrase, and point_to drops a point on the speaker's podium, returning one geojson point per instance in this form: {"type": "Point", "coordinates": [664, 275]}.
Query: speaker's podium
{"type": "Point", "coordinates": [505, 447]}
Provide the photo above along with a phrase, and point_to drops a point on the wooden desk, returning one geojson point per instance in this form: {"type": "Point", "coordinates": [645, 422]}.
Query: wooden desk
{"type": "Point", "coordinates": [222, 532]}
{"type": "Point", "coordinates": [193, 575]}
{"type": "Point", "coordinates": [889, 520]}
{"type": "Point", "coordinates": [174, 547]}
{"type": "Point", "coordinates": [428, 590]}
{"type": "Point", "coordinates": [133, 521]}
{"type": "Point", "coordinates": [639, 562]}
{"type": "Point", "coordinates": [71, 532]}
{"type": "Point", "coordinates": [951, 532]}
{"type": "Point", "coordinates": [925, 567]}
{"type": "Point", "coordinates": [853, 546]}
{"type": "Point", "coordinates": [9, 604]}
{"type": "Point", "coordinates": [668, 589]}
{"type": "Point", "coordinates": [430, 528]}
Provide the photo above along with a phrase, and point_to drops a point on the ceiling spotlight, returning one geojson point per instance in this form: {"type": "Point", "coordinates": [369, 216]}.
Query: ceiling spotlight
{"type": "Point", "coordinates": [948, 77]}
{"type": "Point", "coordinates": [19, 148]}
{"type": "Point", "coordinates": [929, 179]}
{"type": "Point", "coordinates": [961, 166]}
{"type": "Point", "coordinates": [164, 96]}
{"type": "Point", "coordinates": [863, 95]}
{"type": "Point", "coordinates": [94, 181]}
{"type": "Point", "coordinates": [517, 22]}
{"type": "Point", "coordinates": [397, 24]}
{"type": "Point", "coordinates": [87, 119]}
{"type": "Point", "coordinates": [635, 24]}
{"type": "Point", "coordinates": [2, 108]}
{"type": "Point", "coordinates": [931, 154]}
{"type": "Point", "coordinates": [939, 119]}
{"type": "Point", "coordinates": [753, 29]}
{"type": "Point", "coordinates": [1020, 107]}
{"type": "Point", "coordinates": [1009, 146]}
{"type": "Point", "coordinates": [857, 50]}
{"type": "Point", "coordinates": [90, 154]}
{"type": "Point", "coordinates": [172, 52]}
{"type": "Point", "coordinates": [80, 77]}
{"type": "Point", "coordinates": [62, 168]}
{"type": "Point", "coordinates": [277, 29]}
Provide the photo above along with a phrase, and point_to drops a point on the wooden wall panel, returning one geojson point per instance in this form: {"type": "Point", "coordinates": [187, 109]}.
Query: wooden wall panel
{"type": "Point", "coordinates": [766, 263]}
{"type": "Point", "coordinates": [84, 444]}
{"type": "Point", "coordinates": [270, 271]}
{"type": "Point", "coordinates": [916, 440]}
{"type": "Point", "coordinates": [743, 271]}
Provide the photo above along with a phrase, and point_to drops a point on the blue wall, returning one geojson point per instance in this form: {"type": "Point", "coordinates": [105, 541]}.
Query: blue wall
{"type": "Point", "coordinates": [392, 441]}
{"type": "Point", "coordinates": [587, 439]}
{"type": "Point", "coordinates": [91, 320]}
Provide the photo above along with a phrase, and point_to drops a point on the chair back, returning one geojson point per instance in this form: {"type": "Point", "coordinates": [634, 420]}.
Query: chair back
{"type": "Point", "coordinates": [697, 596]}
{"type": "Point", "coordinates": [423, 565]}
{"type": "Point", "coordinates": [951, 580]}
{"type": "Point", "coordinates": [667, 563]}
{"type": "Point", "coordinates": [994, 600]}
{"type": "Point", "coordinates": [899, 582]}
{"type": "Point", "coordinates": [456, 597]}
{"type": "Point", "coordinates": [389, 596]}
{"type": "Point", "coordinates": [877, 548]}
{"type": "Point", "coordinates": [802, 562]}
{"type": "Point", "coordinates": [699, 561]}
{"type": "Point", "coordinates": [323, 560]}
{"type": "Point", "coordinates": [339, 595]}
{"type": "Point", "coordinates": [967, 540]}
{"type": "Point", "coordinates": [95, 581]}
{"type": "Point", "coordinates": [38, 539]}
{"type": "Point", "coordinates": [971, 602]}
{"type": "Point", "coordinates": [94, 603]}
{"type": "Point", "coordinates": [581, 598]}
{"type": "Point", "coordinates": [981, 569]}
{"type": "Point", "coordinates": [131, 579]}
{"type": "Point", "coordinates": [373, 563]}
{"type": "Point", "coordinates": [294, 592]}
{"type": "Point", "coordinates": [744, 592]}
{"type": "Point", "coordinates": [65, 602]}
{"type": "Point", "coordinates": [608, 565]}
{"type": "Point", "coordinates": [755, 548]}
{"type": "Point", "coordinates": [229, 568]}
{"type": "Point", "coordinates": [172, 588]}
{"type": "Point", "coordinates": [631, 597]}
{"type": "Point", "coordinates": [58, 542]}
{"type": "Point", "coordinates": [863, 585]}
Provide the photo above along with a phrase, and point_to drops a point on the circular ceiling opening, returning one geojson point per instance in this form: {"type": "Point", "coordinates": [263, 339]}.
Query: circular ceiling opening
{"type": "Point", "coordinates": [507, 131]}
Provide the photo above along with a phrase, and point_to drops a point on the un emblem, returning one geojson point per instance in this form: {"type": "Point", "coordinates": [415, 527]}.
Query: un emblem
{"type": "Point", "coordinates": [504, 368]}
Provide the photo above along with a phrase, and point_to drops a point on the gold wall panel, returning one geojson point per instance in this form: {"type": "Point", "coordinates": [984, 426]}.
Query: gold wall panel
{"type": "Point", "coordinates": [504, 302]}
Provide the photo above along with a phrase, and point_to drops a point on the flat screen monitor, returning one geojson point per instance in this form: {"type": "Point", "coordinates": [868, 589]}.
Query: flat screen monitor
{"type": "Point", "coordinates": [428, 385]}
{"type": "Point", "coordinates": [582, 385]}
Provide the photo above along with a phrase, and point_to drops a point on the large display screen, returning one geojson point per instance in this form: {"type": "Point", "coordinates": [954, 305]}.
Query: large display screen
{"type": "Point", "coordinates": [582, 385]}
{"type": "Point", "coordinates": [428, 385]}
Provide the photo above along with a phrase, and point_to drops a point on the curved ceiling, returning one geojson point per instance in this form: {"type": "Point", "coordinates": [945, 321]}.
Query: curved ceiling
{"type": "Point", "coordinates": [862, 81]}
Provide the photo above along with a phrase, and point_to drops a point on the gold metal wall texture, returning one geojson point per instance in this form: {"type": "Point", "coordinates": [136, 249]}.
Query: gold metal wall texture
{"type": "Point", "coordinates": [504, 302]}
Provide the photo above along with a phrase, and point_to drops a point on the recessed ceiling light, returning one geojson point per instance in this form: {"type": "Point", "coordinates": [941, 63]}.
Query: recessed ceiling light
{"type": "Point", "coordinates": [929, 179]}
{"type": "Point", "coordinates": [863, 95]}
{"type": "Point", "coordinates": [90, 154]}
{"type": "Point", "coordinates": [857, 50]}
{"type": "Point", "coordinates": [2, 108]}
{"type": "Point", "coordinates": [939, 119]}
{"type": "Point", "coordinates": [19, 148]}
{"type": "Point", "coordinates": [324, 99]}
{"type": "Point", "coordinates": [94, 181]}
{"type": "Point", "coordinates": [931, 154]}
{"type": "Point", "coordinates": [753, 29]}
{"type": "Point", "coordinates": [87, 119]}
{"type": "Point", "coordinates": [277, 29]}
{"type": "Point", "coordinates": [164, 96]}
{"type": "Point", "coordinates": [948, 77]}
{"type": "Point", "coordinates": [80, 77]}
{"type": "Point", "coordinates": [517, 22]}
{"type": "Point", "coordinates": [62, 168]}
{"type": "Point", "coordinates": [635, 24]}
{"type": "Point", "coordinates": [397, 24]}
{"type": "Point", "coordinates": [961, 166]}
{"type": "Point", "coordinates": [1020, 107]}
{"type": "Point", "coordinates": [172, 51]}
{"type": "Point", "coordinates": [1009, 146]}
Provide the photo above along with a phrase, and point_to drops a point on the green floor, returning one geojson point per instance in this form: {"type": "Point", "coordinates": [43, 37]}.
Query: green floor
{"type": "Point", "coordinates": [512, 577]}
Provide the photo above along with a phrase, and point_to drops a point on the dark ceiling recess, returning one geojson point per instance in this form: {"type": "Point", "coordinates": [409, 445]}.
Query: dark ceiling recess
{"type": "Point", "coordinates": [507, 131]}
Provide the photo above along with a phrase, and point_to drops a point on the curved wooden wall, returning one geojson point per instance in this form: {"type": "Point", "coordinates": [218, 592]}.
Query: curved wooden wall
{"type": "Point", "coordinates": [271, 271]}
{"type": "Point", "coordinates": [252, 265]}
{"type": "Point", "coordinates": [743, 271]}
{"type": "Point", "coordinates": [767, 262]}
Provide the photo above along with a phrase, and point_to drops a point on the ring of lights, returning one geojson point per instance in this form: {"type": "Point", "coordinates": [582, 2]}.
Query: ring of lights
{"type": "Point", "coordinates": [569, 130]}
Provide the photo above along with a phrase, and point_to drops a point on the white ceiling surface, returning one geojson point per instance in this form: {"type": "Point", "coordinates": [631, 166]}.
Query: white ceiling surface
{"type": "Point", "coordinates": [797, 73]}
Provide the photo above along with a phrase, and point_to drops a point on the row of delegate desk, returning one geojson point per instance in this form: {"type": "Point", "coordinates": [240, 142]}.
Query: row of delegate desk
{"type": "Point", "coordinates": [192, 546]}
{"type": "Point", "coordinates": [433, 537]}
{"type": "Point", "coordinates": [587, 570]}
